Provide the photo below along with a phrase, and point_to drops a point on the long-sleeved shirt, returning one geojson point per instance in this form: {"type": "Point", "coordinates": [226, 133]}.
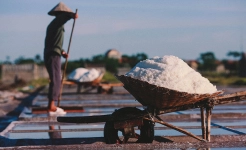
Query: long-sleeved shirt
{"type": "Point", "coordinates": [55, 34]}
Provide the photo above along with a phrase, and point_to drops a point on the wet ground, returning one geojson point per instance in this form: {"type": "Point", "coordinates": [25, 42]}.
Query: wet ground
{"type": "Point", "coordinates": [34, 129]}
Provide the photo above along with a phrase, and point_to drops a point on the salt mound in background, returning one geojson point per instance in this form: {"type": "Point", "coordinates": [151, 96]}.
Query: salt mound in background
{"type": "Point", "coordinates": [172, 73]}
{"type": "Point", "coordinates": [84, 75]}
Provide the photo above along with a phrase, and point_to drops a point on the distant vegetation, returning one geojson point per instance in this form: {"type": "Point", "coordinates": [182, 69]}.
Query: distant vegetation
{"type": "Point", "coordinates": [224, 79]}
{"type": "Point", "coordinates": [220, 80]}
{"type": "Point", "coordinates": [207, 65]}
{"type": "Point", "coordinates": [110, 64]}
{"type": "Point", "coordinates": [109, 77]}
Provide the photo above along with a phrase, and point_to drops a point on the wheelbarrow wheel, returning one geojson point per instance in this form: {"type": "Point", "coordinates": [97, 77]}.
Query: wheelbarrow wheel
{"type": "Point", "coordinates": [111, 134]}
{"type": "Point", "coordinates": [146, 132]}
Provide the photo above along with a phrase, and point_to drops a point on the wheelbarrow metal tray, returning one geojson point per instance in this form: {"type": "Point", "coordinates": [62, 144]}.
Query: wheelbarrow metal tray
{"type": "Point", "coordinates": [160, 97]}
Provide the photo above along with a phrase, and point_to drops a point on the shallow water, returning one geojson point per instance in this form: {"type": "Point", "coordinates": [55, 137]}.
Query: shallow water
{"type": "Point", "coordinates": [42, 130]}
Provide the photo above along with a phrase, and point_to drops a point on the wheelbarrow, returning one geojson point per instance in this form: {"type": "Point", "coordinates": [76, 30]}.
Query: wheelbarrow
{"type": "Point", "coordinates": [102, 87]}
{"type": "Point", "coordinates": [86, 84]}
{"type": "Point", "coordinates": [156, 101]}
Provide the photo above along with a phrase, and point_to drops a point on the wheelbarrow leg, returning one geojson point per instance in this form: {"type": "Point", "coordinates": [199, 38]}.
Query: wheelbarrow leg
{"type": "Point", "coordinates": [203, 123]}
{"type": "Point", "coordinates": [79, 88]}
{"type": "Point", "coordinates": [160, 121]}
{"type": "Point", "coordinates": [209, 115]}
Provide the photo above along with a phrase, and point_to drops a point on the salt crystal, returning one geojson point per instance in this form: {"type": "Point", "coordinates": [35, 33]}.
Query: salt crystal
{"type": "Point", "coordinates": [172, 73]}
{"type": "Point", "coordinates": [84, 75]}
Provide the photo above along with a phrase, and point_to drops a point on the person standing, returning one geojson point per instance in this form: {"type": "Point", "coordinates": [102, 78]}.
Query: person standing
{"type": "Point", "coordinates": [53, 52]}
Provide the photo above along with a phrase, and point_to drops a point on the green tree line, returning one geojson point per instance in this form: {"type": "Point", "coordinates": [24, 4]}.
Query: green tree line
{"type": "Point", "coordinates": [206, 62]}
{"type": "Point", "coordinates": [110, 64]}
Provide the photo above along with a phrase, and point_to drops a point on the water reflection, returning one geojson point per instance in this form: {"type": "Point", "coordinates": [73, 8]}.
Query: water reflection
{"type": "Point", "coordinates": [53, 133]}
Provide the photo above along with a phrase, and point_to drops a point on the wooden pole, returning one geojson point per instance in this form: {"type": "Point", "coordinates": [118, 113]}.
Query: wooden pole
{"type": "Point", "coordinates": [208, 128]}
{"type": "Point", "coordinates": [65, 66]}
{"type": "Point", "coordinates": [203, 123]}
{"type": "Point", "coordinates": [175, 128]}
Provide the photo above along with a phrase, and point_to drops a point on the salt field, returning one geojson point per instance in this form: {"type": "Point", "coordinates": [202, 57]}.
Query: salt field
{"type": "Point", "coordinates": [228, 124]}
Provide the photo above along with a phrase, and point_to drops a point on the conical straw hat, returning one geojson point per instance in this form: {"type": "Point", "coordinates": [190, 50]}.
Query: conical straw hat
{"type": "Point", "coordinates": [59, 8]}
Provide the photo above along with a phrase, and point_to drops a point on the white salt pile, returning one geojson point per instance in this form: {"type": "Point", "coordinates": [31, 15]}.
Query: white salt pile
{"type": "Point", "coordinates": [172, 73]}
{"type": "Point", "coordinates": [84, 75]}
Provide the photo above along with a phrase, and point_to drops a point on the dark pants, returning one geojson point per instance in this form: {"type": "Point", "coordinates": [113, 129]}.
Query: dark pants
{"type": "Point", "coordinates": [53, 66]}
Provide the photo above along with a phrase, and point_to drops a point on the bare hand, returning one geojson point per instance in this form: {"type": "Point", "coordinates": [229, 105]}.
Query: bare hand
{"type": "Point", "coordinates": [76, 16]}
{"type": "Point", "coordinates": [64, 55]}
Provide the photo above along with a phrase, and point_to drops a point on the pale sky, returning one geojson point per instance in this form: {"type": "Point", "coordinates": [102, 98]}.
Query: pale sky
{"type": "Point", "coordinates": [183, 28]}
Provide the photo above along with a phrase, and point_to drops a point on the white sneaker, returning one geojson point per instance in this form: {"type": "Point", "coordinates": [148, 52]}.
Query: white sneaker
{"type": "Point", "coordinates": [58, 112]}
